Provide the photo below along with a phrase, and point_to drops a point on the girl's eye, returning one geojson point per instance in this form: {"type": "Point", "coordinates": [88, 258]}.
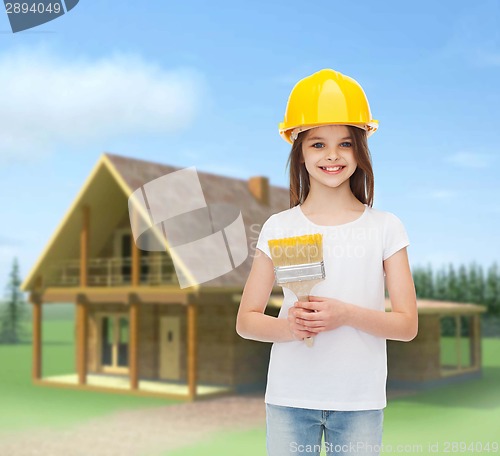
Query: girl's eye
{"type": "Point", "coordinates": [348, 143]}
{"type": "Point", "coordinates": [315, 144]}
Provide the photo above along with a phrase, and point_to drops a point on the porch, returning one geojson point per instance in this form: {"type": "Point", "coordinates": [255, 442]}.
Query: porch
{"type": "Point", "coordinates": [154, 269]}
{"type": "Point", "coordinates": [118, 344]}
{"type": "Point", "coordinates": [121, 384]}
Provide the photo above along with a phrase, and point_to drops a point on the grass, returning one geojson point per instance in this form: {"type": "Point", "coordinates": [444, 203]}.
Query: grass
{"type": "Point", "coordinates": [449, 352]}
{"type": "Point", "coordinates": [25, 405]}
{"type": "Point", "coordinates": [467, 413]}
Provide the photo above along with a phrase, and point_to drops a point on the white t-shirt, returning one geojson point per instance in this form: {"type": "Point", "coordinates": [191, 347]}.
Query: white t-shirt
{"type": "Point", "coordinates": [346, 368]}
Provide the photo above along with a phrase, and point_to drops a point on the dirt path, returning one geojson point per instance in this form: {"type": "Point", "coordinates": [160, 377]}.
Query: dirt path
{"type": "Point", "coordinates": [146, 432]}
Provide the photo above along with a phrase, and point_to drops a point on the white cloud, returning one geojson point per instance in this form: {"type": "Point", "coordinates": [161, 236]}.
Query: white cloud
{"type": "Point", "coordinates": [48, 101]}
{"type": "Point", "coordinates": [470, 160]}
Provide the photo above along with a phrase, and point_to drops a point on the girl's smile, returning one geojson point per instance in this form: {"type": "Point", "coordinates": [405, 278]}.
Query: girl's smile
{"type": "Point", "coordinates": [332, 169]}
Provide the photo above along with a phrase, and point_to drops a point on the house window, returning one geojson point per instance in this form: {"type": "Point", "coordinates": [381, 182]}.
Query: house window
{"type": "Point", "coordinates": [107, 341]}
{"type": "Point", "coordinates": [114, 342]}
{"type": "Point", "coordinates": [126, 253]}
{"type": "Point", "coordinates": [456, 344]}
{"type": "Point", "coordinates": [123, 341]}
{"type": "Point", "coordinates": [126, 260]}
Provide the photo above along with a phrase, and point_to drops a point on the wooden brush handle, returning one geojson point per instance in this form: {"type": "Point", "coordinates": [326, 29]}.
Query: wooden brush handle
{"type": "Point", "coordinates": [308, 340]}
{"type": "Point", "coordinates": [302, 290]}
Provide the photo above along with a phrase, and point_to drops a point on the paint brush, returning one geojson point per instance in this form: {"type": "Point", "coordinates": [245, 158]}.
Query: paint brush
{"type": "Point", "coordinates": [298, 265]}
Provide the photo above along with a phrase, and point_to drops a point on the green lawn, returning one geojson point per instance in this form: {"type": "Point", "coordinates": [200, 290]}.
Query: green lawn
{"type": "Point", "coordinates": [449, 351]}
{"type": "Point", "coordinates": [24, 405]}
{"type": "Point", "coordinates": [467, 413]}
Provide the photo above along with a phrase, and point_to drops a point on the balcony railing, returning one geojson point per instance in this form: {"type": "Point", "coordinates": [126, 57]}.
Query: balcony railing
{"type": "Point", "coordinates": [114, 271]}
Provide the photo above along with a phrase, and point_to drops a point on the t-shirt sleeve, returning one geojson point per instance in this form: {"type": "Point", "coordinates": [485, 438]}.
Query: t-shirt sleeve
{"type": "Point", "coordinates": [266, 233]}
{"type": "Point", "coordinates": [395, 236]}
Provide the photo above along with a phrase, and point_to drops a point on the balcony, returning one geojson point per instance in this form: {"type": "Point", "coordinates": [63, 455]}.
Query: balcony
{"type": "Point", "coordinates": [155, 270]}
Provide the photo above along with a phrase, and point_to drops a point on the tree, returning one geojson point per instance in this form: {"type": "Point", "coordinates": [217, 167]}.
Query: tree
{"type": "Point", "coordinates": [423, 280]}
{"type": "Point", "coordinates": [441, 286]}
{"type": "Point", "coordinates": [13, 310]}
{"type": "Point", "coordinates": [492, 290]}
{"type": "Point", "coordinates": [429, 282]}
{"type": "Point", "coordinates": [463, 285]}
{"type": "Point", "coordinates": [453, 290]}
{"type": "Point", "coordinates": [476, 284]}
{"type": "Point", "coordinates": [417, 280]}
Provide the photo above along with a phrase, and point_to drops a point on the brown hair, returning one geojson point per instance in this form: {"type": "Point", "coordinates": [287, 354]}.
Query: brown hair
{"type": "Point", "coordinates": [361, 182]}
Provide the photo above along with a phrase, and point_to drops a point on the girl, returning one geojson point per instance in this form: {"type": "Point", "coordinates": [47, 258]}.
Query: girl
{"type": "Point", "coordinates": [335, 389]}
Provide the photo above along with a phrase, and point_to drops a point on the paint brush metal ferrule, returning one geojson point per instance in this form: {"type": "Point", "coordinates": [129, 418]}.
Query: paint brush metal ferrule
{"type": "Point", "coordinates": [299, 272]}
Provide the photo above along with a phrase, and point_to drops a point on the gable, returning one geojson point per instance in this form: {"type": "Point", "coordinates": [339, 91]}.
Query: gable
{"type": "Point", "coordinates": [106, 192]}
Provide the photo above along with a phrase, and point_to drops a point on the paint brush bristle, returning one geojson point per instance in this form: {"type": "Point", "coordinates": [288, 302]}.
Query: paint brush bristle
{"type": "Point", "coordinates": [295, 250]}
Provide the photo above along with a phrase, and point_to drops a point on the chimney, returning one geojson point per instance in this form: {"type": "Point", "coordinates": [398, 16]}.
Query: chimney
{"type": "Point", "coordinates": [259, 187]}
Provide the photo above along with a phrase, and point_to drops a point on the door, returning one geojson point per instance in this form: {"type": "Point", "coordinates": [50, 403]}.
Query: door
{"type": "Point", "coordinates": [114, 343]}
{"type": "Point", "coordinates": [170, 329]}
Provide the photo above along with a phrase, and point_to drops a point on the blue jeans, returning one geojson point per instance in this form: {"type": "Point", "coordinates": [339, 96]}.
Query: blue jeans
{"type": "Point", "coordinates": [298, 432]}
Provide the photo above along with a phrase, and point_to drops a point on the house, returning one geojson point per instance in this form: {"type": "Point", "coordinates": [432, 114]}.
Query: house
{"type": "Point", "coordinates": [446, 350]}
{"type": "Point", "coordinates": [138, 331]}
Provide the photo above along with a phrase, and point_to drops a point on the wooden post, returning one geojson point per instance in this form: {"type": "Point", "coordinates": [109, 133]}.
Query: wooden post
{"type": "Point", "coordinates": [459, 340]}
{"type": "Point", "coordinates": [134, 317]}
{"type": "Point", "coordinates": [84, 246]}
{"type": "Point", "coordinates": [81, 339]}
{"type": "Point", "coordinates": [192, 349]}
{"type": "Point", "coordinates": [37, 336]}
{"type": "Point", "coordinates": [475, 341]}
{"type": "Point", "coordinates": [136, 263]}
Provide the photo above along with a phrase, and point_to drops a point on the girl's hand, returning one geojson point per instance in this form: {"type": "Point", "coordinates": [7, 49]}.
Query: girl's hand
{"type": "Point", "coordinates": [298, 330]}
{"type": "Point", "coordinates": [321, 314]}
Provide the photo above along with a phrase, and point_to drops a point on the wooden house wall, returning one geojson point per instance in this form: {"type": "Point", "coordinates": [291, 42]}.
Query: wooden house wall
{"type": "Point", "coordinates": [216, 337]}
{"type": "Point", "coordinates": [92, 340]}
{"type": "Point", "coordinates": [252, 359]}
{"type": "Point", "coordinates": [148, 342]}
{"type": "Point", "coordinates": [227, 359]}
{"type": "Point", "coordinates": [418, 360]}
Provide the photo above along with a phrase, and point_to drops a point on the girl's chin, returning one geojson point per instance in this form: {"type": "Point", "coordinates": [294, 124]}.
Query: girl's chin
{"type": "Point", "coordinates": [332, 183]}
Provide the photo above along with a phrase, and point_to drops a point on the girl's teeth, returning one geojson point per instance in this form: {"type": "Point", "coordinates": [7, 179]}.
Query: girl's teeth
{"type": "Point", "coordinates": [336, 168]}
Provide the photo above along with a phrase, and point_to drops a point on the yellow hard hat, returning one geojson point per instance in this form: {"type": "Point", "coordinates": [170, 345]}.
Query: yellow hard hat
{"type": "Point", "coordinates": [326, 97]}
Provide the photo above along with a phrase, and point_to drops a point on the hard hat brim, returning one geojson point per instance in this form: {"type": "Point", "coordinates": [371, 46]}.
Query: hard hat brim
{"type": "Point", "coordinates": [290, 134]}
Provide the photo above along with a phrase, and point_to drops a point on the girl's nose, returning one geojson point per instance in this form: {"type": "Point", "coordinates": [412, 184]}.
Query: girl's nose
{"type": "Point", "coordinates": [332, 154]}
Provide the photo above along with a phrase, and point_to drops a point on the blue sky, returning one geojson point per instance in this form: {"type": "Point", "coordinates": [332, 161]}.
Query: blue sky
{"type": "Point", "coordinates": [205, 84]}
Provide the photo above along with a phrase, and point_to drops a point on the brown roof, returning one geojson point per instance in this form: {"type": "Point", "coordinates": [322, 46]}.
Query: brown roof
{"type": "Point", "coordinates": [115, 176]}
{"type": "Point", "coordinates": [216, 189]}
{"type": "Point", "coordinates": [428, 306]}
